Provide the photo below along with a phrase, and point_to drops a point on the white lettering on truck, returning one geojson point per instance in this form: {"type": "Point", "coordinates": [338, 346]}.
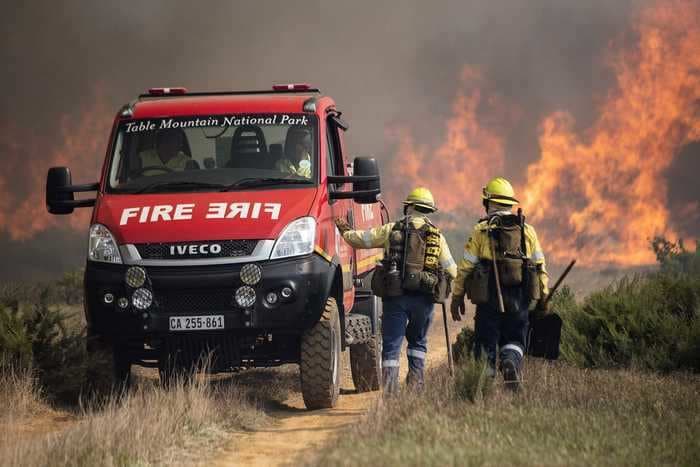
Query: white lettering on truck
{"type": "Point", "coordinates": [180, 212]}
{"type": "Point", "coordinates": [243, 210]}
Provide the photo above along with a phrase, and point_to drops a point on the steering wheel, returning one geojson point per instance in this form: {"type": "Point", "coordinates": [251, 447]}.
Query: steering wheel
{"type": "Point", "coordinates": [152, 167]}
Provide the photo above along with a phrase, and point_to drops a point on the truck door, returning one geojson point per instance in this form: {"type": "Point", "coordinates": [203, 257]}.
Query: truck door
{"type": "Point", "coordinates": [335, 164]}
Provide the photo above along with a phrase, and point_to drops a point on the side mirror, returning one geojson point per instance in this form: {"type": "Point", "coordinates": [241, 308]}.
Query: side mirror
{"type": "Point", "coordinates": [365, 182]}
{"type": "Point", "coordinates": [366, 171]}
{"type": "Point", "coordinates": [60, 197]}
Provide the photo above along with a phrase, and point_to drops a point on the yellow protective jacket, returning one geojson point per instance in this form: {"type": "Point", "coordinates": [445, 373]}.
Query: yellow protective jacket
{"type": "Point", "coordinates": [478, 248]}
{"type": "Point", "coordinates": [379, 237]}
{"type": "Point", "coordinates": [150, 158]}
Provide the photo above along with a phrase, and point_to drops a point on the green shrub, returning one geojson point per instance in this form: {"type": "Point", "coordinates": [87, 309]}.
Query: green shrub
{"type": "Point", "coordinates": [464, 345]}
{"type": "Point", "coordinates": [649, 321]}
{"type": "Point", "coordinates": [38, 336]}
{"type": "Point", "coordinates": [69, 289]}
{"type": "Point", "coordinates": [473, 380]}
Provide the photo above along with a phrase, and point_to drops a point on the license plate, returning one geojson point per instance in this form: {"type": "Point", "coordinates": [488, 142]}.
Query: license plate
{"type": "Point", "coordinates": [196, 323]}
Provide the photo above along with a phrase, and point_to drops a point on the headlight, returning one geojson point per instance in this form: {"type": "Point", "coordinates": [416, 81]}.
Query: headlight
{"type": "Point", "coordinates": [101, 245]}
{"type": "Point", "coordinates": [251, 274]}
{"type": "Point", "coordinates": [135, 277]}
{"type": "Point", "coordinates": [142, 299]}
{"type": "Point", "coordinates": [297, 239]}
{"type": "Point", "coordinates": [245, 297]}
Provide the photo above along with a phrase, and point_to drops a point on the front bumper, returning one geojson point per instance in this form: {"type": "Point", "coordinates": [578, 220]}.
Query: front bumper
{"type": "Point", "coordinates": [207, 290]}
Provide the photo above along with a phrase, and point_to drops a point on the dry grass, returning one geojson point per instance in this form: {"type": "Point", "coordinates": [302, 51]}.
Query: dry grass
{"type": "Point", "coordinates": [20, 396]}
{"type": "Point", "coordinates": [148, 426]}
{"type": "Point", "coordinates": [562, 416]}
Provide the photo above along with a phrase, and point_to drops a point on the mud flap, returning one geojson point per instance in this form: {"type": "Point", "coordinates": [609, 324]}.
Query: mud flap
{"type": "Point", "coordinates": [544, 337]}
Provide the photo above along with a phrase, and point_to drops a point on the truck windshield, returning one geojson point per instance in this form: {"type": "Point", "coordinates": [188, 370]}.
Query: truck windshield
{"type": "Point", "coordinates": [209, 153]}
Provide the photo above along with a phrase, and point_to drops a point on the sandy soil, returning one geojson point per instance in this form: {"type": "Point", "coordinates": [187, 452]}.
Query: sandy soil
{"type": "Point", "coordinates": [296, 432]}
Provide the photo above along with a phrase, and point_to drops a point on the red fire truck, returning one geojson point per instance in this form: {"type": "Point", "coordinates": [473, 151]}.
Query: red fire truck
{"type": "Point", "coordinates": [212, 234]}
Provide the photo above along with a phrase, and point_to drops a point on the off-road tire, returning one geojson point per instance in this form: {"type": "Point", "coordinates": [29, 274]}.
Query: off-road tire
{"type": "Point", "coordinates": [107, 369]}
{"type": "Point", "coordinates": [358, 328]}
{"type": "Point", "coordinates": [366, 364]}
{"type": "Point", "coordinates": [320, 365]}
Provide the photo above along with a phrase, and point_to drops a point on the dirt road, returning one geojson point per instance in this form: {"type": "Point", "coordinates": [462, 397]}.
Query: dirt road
{"type": "Point", "coordinates": [297, 432]}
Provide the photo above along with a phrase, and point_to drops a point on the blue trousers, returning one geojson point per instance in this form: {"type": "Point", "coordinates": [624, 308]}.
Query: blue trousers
{"type": "Point", "coordinates": [506, 332]}
{"type": "Point", "coordinates": [406, 316]}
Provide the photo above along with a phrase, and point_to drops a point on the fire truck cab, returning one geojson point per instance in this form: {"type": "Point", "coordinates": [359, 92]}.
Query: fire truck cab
{"type": "Point", "coordinates": [212, 235]}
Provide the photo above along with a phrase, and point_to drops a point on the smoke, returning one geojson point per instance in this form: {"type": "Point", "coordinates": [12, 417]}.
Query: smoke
{"type": "Point", "coordinates": [393, 69]}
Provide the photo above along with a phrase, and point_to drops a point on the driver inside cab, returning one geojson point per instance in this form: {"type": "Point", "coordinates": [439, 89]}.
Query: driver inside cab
{"type": "Point", "coordinates": [167, 155]}
{"type": "Point", "coordinates": [297, 148]}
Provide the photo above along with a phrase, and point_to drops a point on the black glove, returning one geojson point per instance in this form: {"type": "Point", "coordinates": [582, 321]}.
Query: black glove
{"type": "Point", "coordinates": [342, 225]}
{"type": "Point", "coordinates": [457, 307]}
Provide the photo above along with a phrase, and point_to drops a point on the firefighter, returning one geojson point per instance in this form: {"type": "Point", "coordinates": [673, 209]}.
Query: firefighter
{"type": "Point", "coordinates": [297, 160]}
{"type": "Point", "coordinates": [522, 276]}
{"type": "Point", "coordinates": [416, 272]}
{"type": "Point", "coordinates": [167, 153]}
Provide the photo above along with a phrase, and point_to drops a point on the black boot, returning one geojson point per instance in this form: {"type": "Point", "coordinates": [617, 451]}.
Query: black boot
{"type": "Point", "coordinates": [511, 375]}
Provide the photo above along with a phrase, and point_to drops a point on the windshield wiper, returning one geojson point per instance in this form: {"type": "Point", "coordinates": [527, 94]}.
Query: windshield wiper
{"type": "Point", "coordinates": [264, 181]}
{"type": "Point", "coordinates": [175, 185]}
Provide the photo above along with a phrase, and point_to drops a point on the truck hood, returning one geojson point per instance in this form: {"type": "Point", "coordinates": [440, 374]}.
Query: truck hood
{"type": "Point", "coordinates": [184, 217]}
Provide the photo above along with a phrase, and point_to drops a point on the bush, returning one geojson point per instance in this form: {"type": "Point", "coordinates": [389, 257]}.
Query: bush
{"type": "Point", "coordinates": [463, 346]}
{"type": "Point", "coordinates": [38, 336]}
{"type": "Point", "coordinates": [473, 380]}
{"type": "Point", "coordinates": [69, 289]}
{"type": "Point", "coordinates": [650, 320]}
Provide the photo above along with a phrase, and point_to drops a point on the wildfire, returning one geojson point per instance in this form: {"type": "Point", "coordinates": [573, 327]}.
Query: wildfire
{"type": "Point", "coordinates": [78, 142]}
{"type": "Point", "coordinates": [470, 153]}
{"type": "Point", "coordinates": [601, 195]}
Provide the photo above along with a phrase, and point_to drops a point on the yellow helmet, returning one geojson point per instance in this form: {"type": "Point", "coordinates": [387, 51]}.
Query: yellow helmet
{"type": "Point", "coordinates": [500, 191]}
{"type": "Point", "coordinates": [421, 197]}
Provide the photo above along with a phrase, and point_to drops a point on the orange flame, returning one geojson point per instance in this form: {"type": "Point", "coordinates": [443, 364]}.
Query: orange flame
{"type": "Point", "coordinates": [78, 142]}
{"type": "Point", "coordinates": [470, 153]}
{"type": "Point", "coordinates": [602, 197]}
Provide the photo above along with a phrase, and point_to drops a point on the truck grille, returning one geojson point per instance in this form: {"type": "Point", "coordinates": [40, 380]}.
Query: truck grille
{"type": "Point", "coordinates": [229, 249]}
{"type": "Point", "coordinates": [219, 350]}
{"type": "Point", "coordinates": [194, 301]}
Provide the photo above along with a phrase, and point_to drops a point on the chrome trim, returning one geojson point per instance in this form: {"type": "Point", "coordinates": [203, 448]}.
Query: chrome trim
{"type": "Point", "coordinates": [131, 256]}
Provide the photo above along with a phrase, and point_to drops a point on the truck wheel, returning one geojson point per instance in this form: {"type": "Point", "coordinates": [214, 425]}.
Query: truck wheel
{"type": "Point", "coordinates": [320, 365]}
{"type": "Point", "coordinates": [108, 368]}
{"type": "Point", "coordinates": [366, 360]}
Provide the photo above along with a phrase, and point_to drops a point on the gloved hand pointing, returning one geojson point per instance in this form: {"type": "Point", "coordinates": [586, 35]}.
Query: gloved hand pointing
{"type": "Point", "coordinates": [457, 307]}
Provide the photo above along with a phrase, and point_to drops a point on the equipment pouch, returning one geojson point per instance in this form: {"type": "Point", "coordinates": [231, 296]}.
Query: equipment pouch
{"type": "Point", "coordinates": [510, 272]}
{"type": "Point", "coordinates": [443, 288]}
{"type": "Point", "coordinates": [477, 286]}
{"type": "Point", "coordinates": [378, 280]}
{"type": "Point", "coordinates": [532, 281]}
{"type": "Point", "coordinates": [386, 280]}
{"type": "Point", "coordinates": [428, 281]}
